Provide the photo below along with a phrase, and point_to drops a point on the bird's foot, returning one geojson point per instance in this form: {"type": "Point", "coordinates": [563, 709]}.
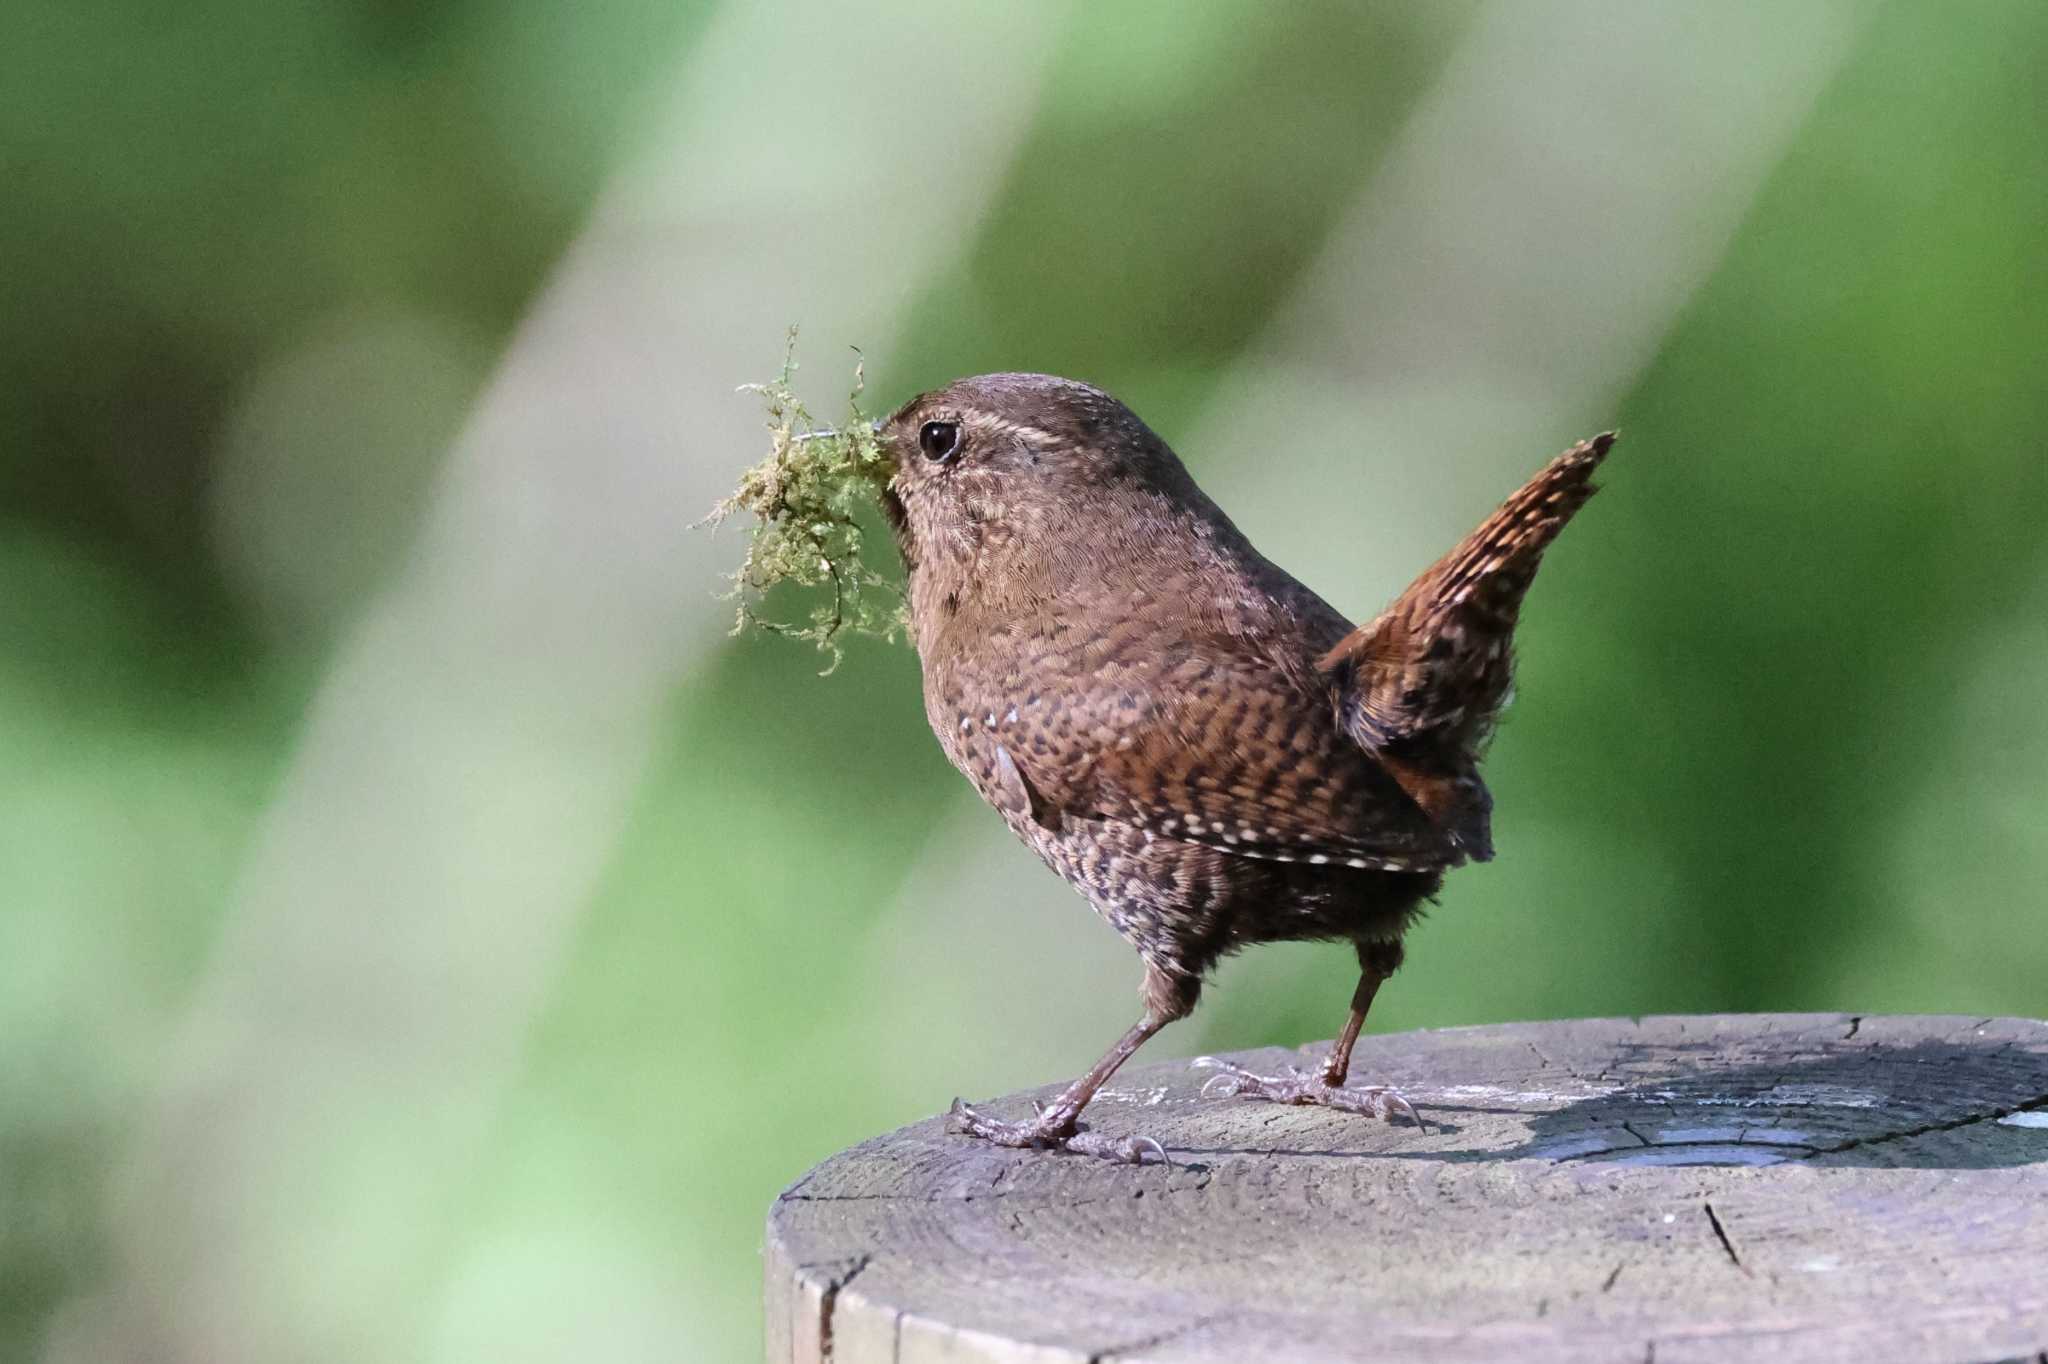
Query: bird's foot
{"type": "Point", "coordinates": [1300, 1087]}
{"type": "Point", "coordinates": [1053, 1130]}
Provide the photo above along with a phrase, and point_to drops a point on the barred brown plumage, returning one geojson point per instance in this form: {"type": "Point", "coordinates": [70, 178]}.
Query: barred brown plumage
{"type": "Point", "coordinates": [1197, 742]}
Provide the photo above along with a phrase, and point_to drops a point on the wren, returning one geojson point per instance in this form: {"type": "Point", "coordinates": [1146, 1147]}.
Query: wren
{"type": "Point", "coordinates": [1206, 749]}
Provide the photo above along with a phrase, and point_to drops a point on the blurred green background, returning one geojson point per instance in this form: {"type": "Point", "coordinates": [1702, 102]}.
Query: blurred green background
{"type": "Point", "coordinates": [426, 936]}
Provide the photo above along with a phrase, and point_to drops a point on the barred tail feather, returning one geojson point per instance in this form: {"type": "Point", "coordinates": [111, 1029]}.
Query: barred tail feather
{"type": "Point", "coordinates": [1421, 684]}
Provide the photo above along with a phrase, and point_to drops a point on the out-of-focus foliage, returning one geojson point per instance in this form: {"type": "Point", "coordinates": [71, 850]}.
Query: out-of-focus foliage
{"type": "Point", "coordinates": [1779, 743]}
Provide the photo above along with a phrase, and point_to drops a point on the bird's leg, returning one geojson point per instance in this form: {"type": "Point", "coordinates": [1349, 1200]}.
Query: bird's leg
{"type": "Point", "coordinates": [1377, 961]}
{"type": "Point", "coordinates": [1057, 1125]}
{"type": "Point", "coordinates": [1339, 1065]}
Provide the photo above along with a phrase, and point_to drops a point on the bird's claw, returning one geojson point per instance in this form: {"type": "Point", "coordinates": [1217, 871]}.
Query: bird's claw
{"type": "Point", "coordinates": [1235, 1079]}
{"type": "Point", "coordinates": [1300, 1087]}
{"type": "Point", "coordinates": [1127, 1150]}
{"type": "Point", "coordinates": [1223, 1086]}
{"type": "Point", "coordinates": [1052, 1132]}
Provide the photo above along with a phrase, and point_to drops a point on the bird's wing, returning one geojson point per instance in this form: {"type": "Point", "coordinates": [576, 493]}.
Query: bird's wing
{"type": "Point", "coordinates": [1216, 751]}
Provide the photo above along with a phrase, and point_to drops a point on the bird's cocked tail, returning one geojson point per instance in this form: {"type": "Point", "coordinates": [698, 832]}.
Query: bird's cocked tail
{"type": "Point", "coordinates": [1422, 683]}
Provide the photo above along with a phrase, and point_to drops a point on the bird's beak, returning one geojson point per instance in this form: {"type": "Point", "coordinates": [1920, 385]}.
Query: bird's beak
{"type": "Point", "coordinates": [882, 436]}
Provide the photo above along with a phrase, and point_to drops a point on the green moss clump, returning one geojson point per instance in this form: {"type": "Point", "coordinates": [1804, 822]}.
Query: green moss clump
{"type": "Point", "coordinates": [806, 497]}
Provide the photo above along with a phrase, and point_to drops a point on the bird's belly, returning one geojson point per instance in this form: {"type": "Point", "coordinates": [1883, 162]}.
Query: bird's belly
{"type": "Point", "coordinates": [1184, 905]}
{"type": "Point", "coordinates": [1162, 896]}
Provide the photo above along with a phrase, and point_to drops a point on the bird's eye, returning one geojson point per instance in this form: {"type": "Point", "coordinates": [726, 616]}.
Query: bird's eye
{"type": "Point", "coordinates": [940, 441]}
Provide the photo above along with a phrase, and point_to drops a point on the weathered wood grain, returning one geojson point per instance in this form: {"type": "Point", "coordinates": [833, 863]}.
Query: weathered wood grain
{"type": "Point", "coordinates": [1790, 1187]}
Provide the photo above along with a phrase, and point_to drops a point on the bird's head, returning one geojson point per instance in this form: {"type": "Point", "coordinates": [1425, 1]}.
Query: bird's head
{"type": "Point", "coordinates": [1022, 474]}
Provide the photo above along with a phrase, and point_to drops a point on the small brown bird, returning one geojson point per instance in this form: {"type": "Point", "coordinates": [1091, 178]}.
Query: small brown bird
{"type": "Point", "coordinates": [1204, 747]}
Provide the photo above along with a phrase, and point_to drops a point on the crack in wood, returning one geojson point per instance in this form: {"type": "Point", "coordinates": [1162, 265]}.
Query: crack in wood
{"type": "Point", "coordinates": [1796, 1150]}
{"type": "Point", "coordinates": [1721, 1234]}
{"type": "Point", "coordinates": [828, 1303]}
{"type": "Point", "coordinates": [1968, 1120]}
{"type": "Point", "coordinates": [1155, 1339]}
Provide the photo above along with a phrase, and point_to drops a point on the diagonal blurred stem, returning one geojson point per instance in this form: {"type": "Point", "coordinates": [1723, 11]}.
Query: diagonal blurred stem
{"type": "Point", "coordinates": [466, 767]}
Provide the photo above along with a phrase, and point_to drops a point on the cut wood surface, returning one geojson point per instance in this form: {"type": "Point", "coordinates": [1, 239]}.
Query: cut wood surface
{"type": "Point", "coordinates": [1744, 1187]}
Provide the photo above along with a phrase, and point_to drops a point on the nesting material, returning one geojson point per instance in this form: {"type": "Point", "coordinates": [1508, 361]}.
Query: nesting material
{"type": "Point", "coordinates": [806, 499]}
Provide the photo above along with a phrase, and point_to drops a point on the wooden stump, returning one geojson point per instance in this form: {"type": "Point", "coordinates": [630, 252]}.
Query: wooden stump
{"type": "Point", "coordinates": [1773, 1187]}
